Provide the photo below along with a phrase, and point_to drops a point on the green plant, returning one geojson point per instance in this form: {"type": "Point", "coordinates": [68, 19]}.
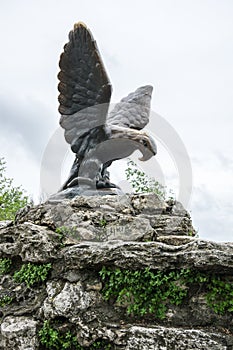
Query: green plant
{"type": "Point", "coordinates": [63, 231]}
{"type": "Point", "coordinates": [32, 273]}
{"type": "Point", "coordinates": [5, 265]}
{"type": "Point", "coordinates": [149, 292]}
{"type": "Point", "coordinates": [144, 291]}
{"type": "Point", "coordinates": [55, 339]}
{"type": "Point", "coordinates": [101, 345]}
{"type": "Point", "coordinates": [103, 222]}
{"type": "Point", "coordinates": [5, 300]}
{"type": "Point", "coordinates": [220, 295]}
{"type": "Point", "coordinates": [142, 182]}
{"type": "Point", "coordinates": [11, 198]}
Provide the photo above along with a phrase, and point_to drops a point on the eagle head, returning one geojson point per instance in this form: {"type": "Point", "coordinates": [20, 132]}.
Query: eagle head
{"type": "Point", "coordinates": [146, 145]}
{"type": "Point", "coordinates": [136, 140]}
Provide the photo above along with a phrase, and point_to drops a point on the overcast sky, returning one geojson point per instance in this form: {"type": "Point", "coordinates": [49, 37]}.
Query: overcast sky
{"type": "Point", "coordinates": [184, 48]}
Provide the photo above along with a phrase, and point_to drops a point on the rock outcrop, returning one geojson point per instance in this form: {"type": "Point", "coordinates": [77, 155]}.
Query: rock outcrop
{"type": "Point", "coordinates": [75, 239]}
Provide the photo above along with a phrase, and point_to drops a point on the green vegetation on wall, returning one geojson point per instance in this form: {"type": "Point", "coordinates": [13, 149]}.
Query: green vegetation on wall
{"type": "Point", "coordinates": [5, 300]}
{"type": "Point", "coordinates": [150, 292]}
{"type": "Point", "coordinates": [54, 339]}
{"type": "Point", "coordinates": [5, 265]}
{"type": "Point", "coordinates": [32, 273]}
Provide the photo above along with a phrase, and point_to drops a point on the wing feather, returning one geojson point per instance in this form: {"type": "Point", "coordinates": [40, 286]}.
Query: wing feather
{"type": "Point", "coordinates": [133, 111]}
{"type": "Point", "coordinates": [83, 85]}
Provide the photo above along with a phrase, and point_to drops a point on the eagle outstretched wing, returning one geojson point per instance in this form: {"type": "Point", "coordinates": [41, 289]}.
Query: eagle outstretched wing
{"type": "Point", "coordinates": [85, 93]}
{"type": "Point", "coordinates": [132, 111]}
{"type": "Point", "coordinates": [83, 84]}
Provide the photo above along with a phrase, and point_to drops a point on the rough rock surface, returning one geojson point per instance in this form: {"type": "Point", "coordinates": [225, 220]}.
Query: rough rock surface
{"type": "Point", "coordinates": [80, 236]}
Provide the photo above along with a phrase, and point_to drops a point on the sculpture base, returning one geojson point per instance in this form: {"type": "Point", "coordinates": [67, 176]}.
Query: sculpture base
{"type": "Point", "coordinates": [72, 192]}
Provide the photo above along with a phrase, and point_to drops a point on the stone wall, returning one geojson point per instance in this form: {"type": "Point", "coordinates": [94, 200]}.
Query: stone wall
{"type": "Point", "coordinates": [78, 238]}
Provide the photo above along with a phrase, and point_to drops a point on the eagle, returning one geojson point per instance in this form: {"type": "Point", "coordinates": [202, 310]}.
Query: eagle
{"type": "Point", "coordinates": [97, 134]}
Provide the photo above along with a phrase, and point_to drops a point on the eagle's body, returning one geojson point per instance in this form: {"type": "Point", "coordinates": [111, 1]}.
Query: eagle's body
{"type": "Point", "coordinates": [96, 136]}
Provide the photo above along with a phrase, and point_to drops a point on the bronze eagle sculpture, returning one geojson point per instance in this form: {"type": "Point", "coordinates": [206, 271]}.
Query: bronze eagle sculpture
{"type": "Point", "coordinates": [97, 135]}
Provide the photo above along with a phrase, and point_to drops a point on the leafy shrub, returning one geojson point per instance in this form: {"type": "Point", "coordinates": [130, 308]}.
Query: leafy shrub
{"type": "Point", "coordinates": [11, 198]}
{"type": "Point", "coordinates": [142, 182]}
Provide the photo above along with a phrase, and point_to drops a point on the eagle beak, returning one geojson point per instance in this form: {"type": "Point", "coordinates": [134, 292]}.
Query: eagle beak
{"type": "Point", "coordinates": [146, 155]}
{"type": "Point", "coordinates": [150, 151]}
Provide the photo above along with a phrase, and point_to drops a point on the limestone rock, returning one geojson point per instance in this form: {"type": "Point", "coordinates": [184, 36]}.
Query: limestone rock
{"type": "Point", "coordinates": [19, 333]}
{"type": "Point", "coordinates": [29, 241]}
{"type": "Point", "coordinates": [5, 223]}
{"type": "Point", "coordinates": [161, 338]}
{"type": "Point", "coordinates": [68, 300]}
{"type": "Point", "coordinates": [125, 217]}
{"type": "Point", "coordinates": [80, 236]}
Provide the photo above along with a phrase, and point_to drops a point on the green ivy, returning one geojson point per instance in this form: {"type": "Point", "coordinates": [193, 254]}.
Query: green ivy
{"type": "Point", "coordinates": [220, 295]}
{"type": "Point", "coordinates": [53, 339]}
{"type": "Point", "coordinates": [32, 273]}
{"type": "Point", "coordinates": [5, 300]}
{"type": "Point", "coordinates": [56, 340]}
{"type": "Point", "coordinates": [5, 265]}
{"type": "Point", "coordinates": [150, 292]}
{"type": "Point", "coordinates": [144, 291]}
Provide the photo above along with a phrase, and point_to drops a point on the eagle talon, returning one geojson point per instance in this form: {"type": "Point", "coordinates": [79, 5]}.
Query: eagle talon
{"type": "Point", "coordinates": [82, 182]}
